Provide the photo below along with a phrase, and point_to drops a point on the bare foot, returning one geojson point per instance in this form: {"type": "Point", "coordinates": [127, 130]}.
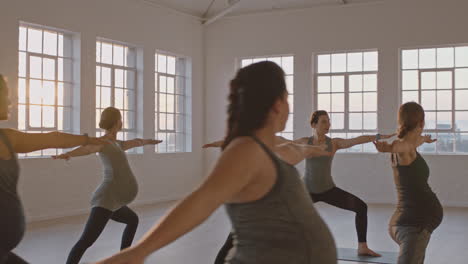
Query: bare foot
{"type": "Point", "coordinates": [365, 251]}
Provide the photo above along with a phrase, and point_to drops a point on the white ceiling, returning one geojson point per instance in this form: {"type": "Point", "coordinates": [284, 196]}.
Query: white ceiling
{"type": "Point", "coordinates": [199, 7]}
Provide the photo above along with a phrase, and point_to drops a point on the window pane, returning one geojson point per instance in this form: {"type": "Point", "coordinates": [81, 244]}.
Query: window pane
{"type": "Point", "coordinates": [410, 59]}
{"type": "Point", "coordinates": [427, 58]}
{"type": "Point", "coordinates": [119, 78]}
{"type": "Point", "coordinates": [162, 103]}
{"type": "Point", "coordinates": [67, 70]}
{"type": "Point", "coordinates": [98, 117]}
{"type": "Point", "coordinates": [338, 62]}
{"type": "Point", "coordinates": [355, 62]}
{"type": "Point", "coordinates": [119, 98]}
{"type": "Point", "coordinates": [118, 55]}
{"type": "Point", "coordinates": [98, 75]}
{"type": "Point", "coordinates": [22, 64]}
{"type": "Point", "coordinates": [170, 103]}
{"type": "Point", "coordinates": [370, 82]}
{"type": "Point", "coordinates": [290, 84]}
{"type": "Point", "coordinates": [324, 63]}
{"type": "Point", "coordinates": [444, 120]}
{"type": "Point", "coordinates": [162, 64]}
{"type": "Point", "coordinates": [410, 80]}
{"type": "Point", "coordinates": [129, 100]}
{"type": "Point", "coordinates": [50, 43]}
{"type": "Point", "coordinates": [461, 99]}
{"type": "Point", "coordinates": [337, 84]}
{"type": "Point", "coordinates": [180, 125]}
{"type": "Point", "coordinates": [129, 80]}
{"type": "Point", "coordinates": [170, 85]}
{"type": "Point", "coordinates": [444, 80]}
{"type": "Point", "coordinates": [445, 142]}
{"type": "Point", "coordinates": [444, 100]}
{"type": "Point", "coordinates": [35, 91]}
{"type": "Point", "coordinates": [162, 122]}
{"type": "Point", "coordinates": [170, 122]}
{"type": "Point", "coordinates": [323, 83]}
{"type": "Point", "coordinates": [21, 117]}
{"type": "Point", "coordinates": [355, 121]}
{"type": "Point", "coordinates": [21, 91]}
{"type": "Point", "coordinates": [461, 78]}
{"type": "Point", "coordinates": [355, 102]}
{"type": "Point", "coordinates": [171, 142]}
{"type": "Point", "coordinates": [287, 63]}
{"type": "Point", "coordinates": [35, 116]}
{"type": "Point", "coordinates": [355, 83]}
{"type": "Point", "coordinates": [291, 103]}
{"type": "Point", "coordinates": [106, 53]}
{"type": "Point", "coordinates": [337, 121]}
{"type": "Point", "coordinates": [171, 65]}
{"type": "Point", "coordinates": [34, 40]}
{"type": "Point", "coordinates": [461, 142]}
{"type": "Point", "coordinates": [106, 76]}
{"type": "Point", "coordinates": [67, 46]}
{"type": "Point", "coordinates": [289, 124]}
{"type": "Point", "coordinates": [258, 60]}
{"type": "Point", "coordinates": [98, 96]}
{"type": "Point", "coordinates": [48, 116]}
{"type": "Point", "coordinates": [180, 84]}
{"type": "Point", "coordinates": [162, 84]}
{"type": "Point", "coordinates": [98, 51]}
{"type": "Point", "coordinates": [48, 92]}
{"type": "Point", "coordinates": [276, 60]}
{"type": "Point", "coordinates": [371, 61]}
{"type": "Point", "coordinates": [129, 57]}
{"type": "Point", "coordinates": [105, 97]}
{"type": "Point", "coordinates": [410, 97]}
{"type": "Point", "coordinates": [370, 121]}
{"type": "Point", "coordinates": [428, 148]}
{"type": "Point", "coordinates": [461, 56]}
{"type": "Point", "coordinates": [428, 80]}
{"type": "Point", "coordinates": [428, 100]}
{"type": "Point", "coordinates": [445, 57]}
{"type": "Point", "coordinates": [461, 121]}
{"type": "Point", "coordinates": [22, 38]}
{"type": "Point", "coordinates": [370, 102]}
{"type": "Point", "coordinates": [245, 63]}
{"type": "Point", "coordinates": [338, 102]}
{"type": "Point", "coordinates": [129, 119]}
{"type": "Point", "coordinates": [430, 120]}
{"type": "Point", "coordinates": [323, 102]}
{"type": "Point", "coordinates": [48, 69]}
{"type": "Point", "coordinates": [35, 67]}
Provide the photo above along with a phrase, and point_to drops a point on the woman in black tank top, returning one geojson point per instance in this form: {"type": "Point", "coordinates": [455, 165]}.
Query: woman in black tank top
{"type": "Point", "coordinates": [12, 222]}
{"type": "Point", "coordinates": [418, 211]}
{"type": "Point", "coordinates": [257, 186]}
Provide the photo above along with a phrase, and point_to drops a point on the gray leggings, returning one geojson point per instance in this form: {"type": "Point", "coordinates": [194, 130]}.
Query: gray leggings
{"type": "Point", "coordinates": [413, 242]}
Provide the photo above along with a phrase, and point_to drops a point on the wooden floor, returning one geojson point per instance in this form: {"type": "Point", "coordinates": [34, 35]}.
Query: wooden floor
{"type": "Point", "coordinates": [49, 242]}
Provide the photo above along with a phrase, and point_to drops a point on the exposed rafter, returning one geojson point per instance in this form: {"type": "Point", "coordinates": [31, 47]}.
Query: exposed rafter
{"type": "Point", "coordinates": [233, 4]}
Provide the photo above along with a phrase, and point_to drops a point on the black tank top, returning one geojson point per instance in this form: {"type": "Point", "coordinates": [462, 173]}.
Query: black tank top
{"type": "Point", "coordinates": [417, 204]}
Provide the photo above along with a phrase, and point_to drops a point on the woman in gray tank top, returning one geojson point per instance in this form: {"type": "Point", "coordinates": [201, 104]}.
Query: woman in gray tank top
{"type": "Point", "coordinates": [12, 220]}
{"type": "Point", "coordinates": [118, 188]}
{"type": "Point", "coordinates": [319, 181]}
{"type": "Point", "coordinates": [274, 219]}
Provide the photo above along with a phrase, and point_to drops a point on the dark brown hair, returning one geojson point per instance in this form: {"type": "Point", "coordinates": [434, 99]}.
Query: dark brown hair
{"type": "Point", "coordinates": [316, 116]}
{"type": "Point", "coordinates": [253, 92]}
{"type": "Point", "coordinates": [109, 118]}
{"type": "Point", "coordinates": [410, 115]}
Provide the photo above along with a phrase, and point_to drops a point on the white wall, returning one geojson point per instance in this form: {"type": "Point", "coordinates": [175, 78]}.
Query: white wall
{"type": "Point", "coordinates": [52, 188]}
{"type": "Point", "coordinates": [385, 25]}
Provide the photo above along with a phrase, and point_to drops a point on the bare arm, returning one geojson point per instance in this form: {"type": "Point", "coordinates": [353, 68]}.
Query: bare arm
{"type": "Point", "coordinates": [278, 140]}
{"type": "Point", "coordinates": [341, 143]}
{"type": "Point", "coordinates": [138, 142]}
{"type": "Point", "coordinates": [81, 151]}
{"type": "Point", "coordinates": [226, 180]}
{"type": "Point", "coordinates": [399, 146]}
{"type": "Point", "coordinates": [215, 144]}
{"type": "Point", "coordinates": [29, 142]}
{"type": "Point", "coordinates": [294, 153]}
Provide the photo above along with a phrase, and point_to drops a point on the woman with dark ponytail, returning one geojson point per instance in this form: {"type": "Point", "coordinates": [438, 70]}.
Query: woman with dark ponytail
{"type": "Point", "coordinates": [118, 188]}
{"type": "Point", "coordinates": [273, 217]}
{"type": "Point", "coordinates": [418, 211]}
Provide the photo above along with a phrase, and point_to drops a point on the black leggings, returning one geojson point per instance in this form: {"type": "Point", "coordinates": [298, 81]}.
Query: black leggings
{"type": "Point", "coordinates": [344, 200]}
{"type": "Point", "coordinates": [95, 225]}
{"type": "Point", "coordinates": [223, 252]}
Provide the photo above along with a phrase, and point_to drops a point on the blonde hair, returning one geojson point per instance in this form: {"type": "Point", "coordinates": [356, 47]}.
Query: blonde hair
{"type": "Point", "coordinates": [109, 118]}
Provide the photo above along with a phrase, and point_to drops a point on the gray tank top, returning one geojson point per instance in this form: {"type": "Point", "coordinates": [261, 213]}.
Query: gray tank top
{"type": "Point", "coordinates": [282, 227]}
{"type": "Point", "coordinates": [119, 186]}
{"type": "Point", "coordinates": [318, 178]}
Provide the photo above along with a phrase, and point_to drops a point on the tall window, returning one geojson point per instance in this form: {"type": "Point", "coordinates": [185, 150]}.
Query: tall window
{"type": "Point", "coordinates": [437, 78]}
{"type": "Point", "coordinates": [116, 84]}
{"type": "Point", "coordinates": [346, 87]}
{"type": "Point", "coordinates": [45, 82]}
{"type": "Point", "coordinates": [287, 63]}
{"type": "Point", "coordinates": [172, 103]}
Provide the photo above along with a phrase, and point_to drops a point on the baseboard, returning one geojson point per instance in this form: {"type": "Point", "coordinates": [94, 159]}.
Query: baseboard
{"type": "Point", "coordinates": [82, 211]}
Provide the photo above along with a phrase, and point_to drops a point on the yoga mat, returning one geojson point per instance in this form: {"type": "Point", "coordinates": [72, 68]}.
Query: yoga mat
{"type": "Point", "coordinates": [350, 254]}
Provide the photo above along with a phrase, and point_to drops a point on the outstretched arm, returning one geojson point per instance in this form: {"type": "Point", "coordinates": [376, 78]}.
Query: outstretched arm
{"type": "Point", "coordinates": [399, 146]}
{"type": "Point", "coordinates": [215, 144]}
{"type": "Point", "coordinates": [341, 143]}
{"type": "Point", "coordinates": [293, 153]}
{"type": "Point", "coordinates": [138, 142]}
{"type": "Point", "coordinates": [29, 142]}
{"type": "Point", "coordinates": [81, 151]}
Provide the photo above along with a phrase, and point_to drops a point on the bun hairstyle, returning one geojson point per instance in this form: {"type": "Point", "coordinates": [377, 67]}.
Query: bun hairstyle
{"type": "Point", "coordinates": [410, 115]}
{"type": "Point", "coordinates": [253, 92]}
{"type": "Point", "coordinates": [109, 117]}
{"type": "Point", "coordinates": [316, 116]}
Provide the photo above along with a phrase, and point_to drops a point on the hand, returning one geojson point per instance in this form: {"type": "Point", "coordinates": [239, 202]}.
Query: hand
{"type": "Point", "coordinates": [62, 156]}
{"type": "Point", "coordinates": [381, 146]}
{"type": "Point", "coordinates": [154, 141]}
{"type": "Point", "coordinates": [387, 136]}
{"type": "Point", "coordinates": [428, 139]}
{"type": "Point", "coordinates": [210, 145]}
{"type": "Point", "coordinates": [127, 256]}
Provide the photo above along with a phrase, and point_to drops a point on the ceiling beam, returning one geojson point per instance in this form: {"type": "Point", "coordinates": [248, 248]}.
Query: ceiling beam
{"type": "Point", "coordinates": [233, 4]}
